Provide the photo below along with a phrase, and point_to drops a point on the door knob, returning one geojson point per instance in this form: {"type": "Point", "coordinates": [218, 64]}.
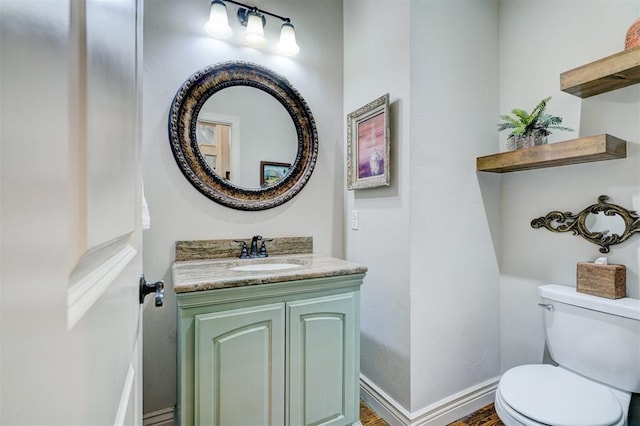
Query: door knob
{"type": "Point", "coordinates": [147, 288]}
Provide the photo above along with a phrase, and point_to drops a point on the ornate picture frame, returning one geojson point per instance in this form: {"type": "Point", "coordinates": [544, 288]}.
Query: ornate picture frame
{"type": "Point", "coordinates": [368, 145]}
{"type": "Point", "coordinates": [272, 172]}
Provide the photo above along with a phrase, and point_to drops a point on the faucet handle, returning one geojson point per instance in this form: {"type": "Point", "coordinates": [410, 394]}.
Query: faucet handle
{"type": "Point", "coordinates": [263, 247]}
{"type": "Point", "coordinates": [243, 251]}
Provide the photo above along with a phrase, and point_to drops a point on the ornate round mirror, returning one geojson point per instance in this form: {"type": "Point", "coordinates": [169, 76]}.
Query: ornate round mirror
{"type": "Point", "coordinates": [243, 136]}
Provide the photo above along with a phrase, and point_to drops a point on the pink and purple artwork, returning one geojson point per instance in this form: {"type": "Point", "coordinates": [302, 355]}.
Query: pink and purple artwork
{"type": "Point", "coordinates": [371, 146]}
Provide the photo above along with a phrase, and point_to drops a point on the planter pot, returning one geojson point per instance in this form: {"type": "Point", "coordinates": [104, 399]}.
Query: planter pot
{"type": "Point", "coordinates": [519, 142]}
{"type": "Point", "coordinates": [633, 35]}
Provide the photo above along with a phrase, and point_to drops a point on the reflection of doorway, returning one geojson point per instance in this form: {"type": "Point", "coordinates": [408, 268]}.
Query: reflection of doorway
{"type": "Point", "coordinates": [214, 144]}
{"type": "Point", "coordinates": [217, 138]}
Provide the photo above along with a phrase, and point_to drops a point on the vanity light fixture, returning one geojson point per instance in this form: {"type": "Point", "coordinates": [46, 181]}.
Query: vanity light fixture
{"type": "Point", "coordinates": [254, 36]}
{"type": "Point", "coordinates": [254, 19]}
{"type": "Point", "coordinates": [287, 45]}
{"type": "Point", "coordinates": [218, 24]}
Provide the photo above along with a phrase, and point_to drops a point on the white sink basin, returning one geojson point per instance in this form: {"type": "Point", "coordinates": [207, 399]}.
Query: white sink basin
{"type": "Point", "coordinates": [260, 267]}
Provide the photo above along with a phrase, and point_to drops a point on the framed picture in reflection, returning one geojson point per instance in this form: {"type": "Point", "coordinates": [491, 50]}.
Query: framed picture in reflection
{"type": "Point", "coordinates": [272, 172]}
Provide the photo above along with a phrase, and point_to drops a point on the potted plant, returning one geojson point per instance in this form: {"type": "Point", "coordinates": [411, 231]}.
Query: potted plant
{"type": "Point", "coordinates": [530, 129]}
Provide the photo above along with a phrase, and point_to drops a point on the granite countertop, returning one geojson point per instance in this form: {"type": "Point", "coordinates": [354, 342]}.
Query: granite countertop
{"type": "Point", "coordinates": [211, 274]}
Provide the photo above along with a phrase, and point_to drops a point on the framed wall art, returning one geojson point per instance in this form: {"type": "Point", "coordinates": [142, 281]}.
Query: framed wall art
{"type": "Point", "coordinates": [368, 145]}
{"type": "Point", "coordinates": [272, 172]}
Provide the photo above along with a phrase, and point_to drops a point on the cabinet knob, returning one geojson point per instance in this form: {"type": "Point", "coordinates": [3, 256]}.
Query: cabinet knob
{"type": "Point", "coordinates": [147, 288]}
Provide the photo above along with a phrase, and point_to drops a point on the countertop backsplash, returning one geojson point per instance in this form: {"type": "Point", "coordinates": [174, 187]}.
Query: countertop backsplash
{"type": "Point", "coordinates": [217, 249]}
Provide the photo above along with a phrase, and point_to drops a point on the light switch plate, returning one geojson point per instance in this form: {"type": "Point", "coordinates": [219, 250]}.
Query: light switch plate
{"type": "Point", "coordinates": [355, 220]}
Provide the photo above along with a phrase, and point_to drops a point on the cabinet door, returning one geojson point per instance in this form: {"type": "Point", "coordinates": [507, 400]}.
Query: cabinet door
{"type": "Point", "coordinates": [323, 360]}
{"type": "Point", "coordinates": [239, 367]}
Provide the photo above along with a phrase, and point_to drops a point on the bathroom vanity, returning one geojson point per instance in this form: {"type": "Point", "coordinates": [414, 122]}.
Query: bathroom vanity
{"type": "Point", "coordinates": [268, 341]}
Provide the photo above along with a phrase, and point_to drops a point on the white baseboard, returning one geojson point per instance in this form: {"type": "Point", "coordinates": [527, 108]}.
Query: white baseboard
{"type": "Point", "coordinates": [385, 406]}
{"type": "Point", "coordinates": [164, 417]}
{"type": "Point", "coordinates": [442, 412]}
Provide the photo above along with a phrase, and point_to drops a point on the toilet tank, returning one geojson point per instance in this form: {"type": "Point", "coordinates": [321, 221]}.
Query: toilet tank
{"type": "Point", "coordinates": [593, 336]}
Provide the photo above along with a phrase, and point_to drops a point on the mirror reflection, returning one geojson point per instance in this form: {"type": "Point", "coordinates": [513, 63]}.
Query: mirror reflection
{"type": "Point", "coordinates": [605, 224]}
{"type": "Point", "coordinates": [246, 137]}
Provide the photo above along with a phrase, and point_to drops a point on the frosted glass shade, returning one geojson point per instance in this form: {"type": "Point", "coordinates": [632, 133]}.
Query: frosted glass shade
{"type": "Point", "coordinates": [218, 24]}
{"type": "Point", "coordinates": [255, 32]}
{"type": "Point", "coordinates": [287, 45]}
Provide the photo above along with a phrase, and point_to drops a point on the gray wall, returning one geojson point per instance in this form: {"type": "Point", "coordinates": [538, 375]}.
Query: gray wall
{"type": "Point", "coordinates": [429, 304]}
{"type": "Point", "coordinates": [454, 270]}
{"type": "Point", "coordinates": [459, 267]}
{"type": "Point", "coordinates": [376, 62]}
{"type": "Point", "coordinates": [575, 33]}
{"type": "Point", "coordinates": [175, 46]}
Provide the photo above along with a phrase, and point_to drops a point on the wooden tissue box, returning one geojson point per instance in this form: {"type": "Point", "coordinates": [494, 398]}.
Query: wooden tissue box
{"type": "Point", "coordinates": [608, 281]}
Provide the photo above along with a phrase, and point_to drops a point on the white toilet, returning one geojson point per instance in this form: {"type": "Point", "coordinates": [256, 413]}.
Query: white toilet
{"type": "Point", "coordinates": [596, 342]}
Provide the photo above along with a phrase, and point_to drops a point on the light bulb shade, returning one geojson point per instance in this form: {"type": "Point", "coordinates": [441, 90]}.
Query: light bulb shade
{"type": "Point", "coordinates": [218, 24]}
{"type": "Point", "coordinates": [255, 30]}
{"type": "Point", "coordinates": [287, 45]}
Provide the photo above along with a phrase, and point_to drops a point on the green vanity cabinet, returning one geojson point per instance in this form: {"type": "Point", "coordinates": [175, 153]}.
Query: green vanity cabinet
{"type": "Point", "coordinates": [323, 370]}
{"type": "Point", "coordinates": [239, 366]}
{"type": "Point", "coordinates": [282, 353]}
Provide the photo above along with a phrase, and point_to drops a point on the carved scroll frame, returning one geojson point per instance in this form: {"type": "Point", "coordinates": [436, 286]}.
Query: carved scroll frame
{"type": "Point", "coordinates": [557, 221]}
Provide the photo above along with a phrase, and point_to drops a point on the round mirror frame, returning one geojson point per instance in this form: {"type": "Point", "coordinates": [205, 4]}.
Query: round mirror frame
{"type": "Point", "coordinates": [183, 115]}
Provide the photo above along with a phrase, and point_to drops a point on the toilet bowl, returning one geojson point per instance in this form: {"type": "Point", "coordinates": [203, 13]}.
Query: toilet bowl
{"type": "Point", "coordinates": [596, 343]}
{"type": "Point", "coordinates": [535, 395]}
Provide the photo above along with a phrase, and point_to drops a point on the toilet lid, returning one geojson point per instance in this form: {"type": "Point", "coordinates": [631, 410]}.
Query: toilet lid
{"type": "Point", "coordinates": [555, 396]}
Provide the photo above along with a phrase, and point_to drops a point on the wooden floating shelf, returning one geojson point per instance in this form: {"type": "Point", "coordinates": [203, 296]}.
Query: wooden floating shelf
{"type": "Point", "coordinates": [604, 75]}
{"type": "Point", "coordinates": [575, 151]}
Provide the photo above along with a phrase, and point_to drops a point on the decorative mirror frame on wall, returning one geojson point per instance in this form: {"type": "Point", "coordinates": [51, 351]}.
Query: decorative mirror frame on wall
{"type": "Point", "coordinates": [556, 221]}
{"type": "Point", "coordinates": [183, 115]}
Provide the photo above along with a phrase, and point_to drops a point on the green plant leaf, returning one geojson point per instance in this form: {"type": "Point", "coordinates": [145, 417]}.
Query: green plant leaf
{"type": "Point", "coordinates": [524, 124]}
{"type": "Point", "coordinates": [510, 120]}
{"type": "Point", "coordinates": [521, 114]}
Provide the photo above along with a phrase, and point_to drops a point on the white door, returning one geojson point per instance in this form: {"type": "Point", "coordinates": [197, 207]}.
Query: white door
{"type": "Point", "coordinates": [70, 319]}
